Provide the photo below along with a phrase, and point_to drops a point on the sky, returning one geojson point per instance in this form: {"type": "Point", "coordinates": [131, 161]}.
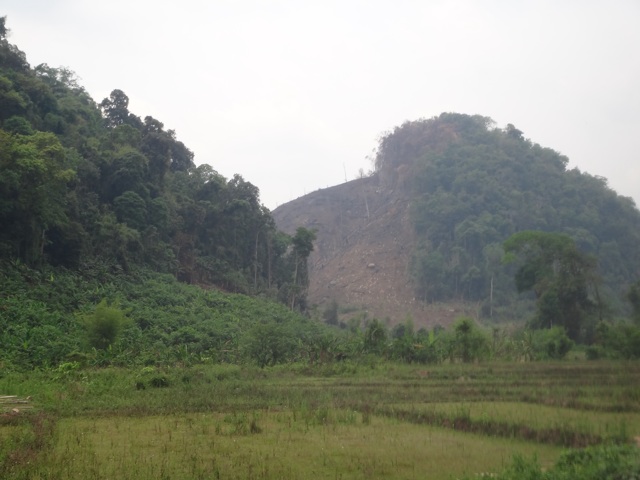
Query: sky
{"type": "Point", "coordinates": [294, 94]}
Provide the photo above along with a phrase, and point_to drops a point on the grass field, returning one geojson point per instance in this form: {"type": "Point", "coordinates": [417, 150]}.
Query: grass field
{"type": "Point", "coordinates": [333, 421]}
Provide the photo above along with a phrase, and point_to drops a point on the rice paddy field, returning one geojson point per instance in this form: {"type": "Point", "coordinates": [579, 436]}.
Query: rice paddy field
{"type": "Point", "coordinates": [337, 421]}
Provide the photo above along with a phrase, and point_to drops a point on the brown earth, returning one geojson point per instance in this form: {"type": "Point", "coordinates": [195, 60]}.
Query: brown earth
{"type": "Point", "coordinates": [362, 254]}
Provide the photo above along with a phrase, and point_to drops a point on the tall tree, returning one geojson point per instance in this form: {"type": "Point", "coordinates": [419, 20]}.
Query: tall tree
{"type": "Point", "coordinates": [3, 27]}
{"type": "Point", "coordinates": [633, 295]}
{"type": "Point", "coordinates": [116, 110]}
{"type": "Point", "coordinates": [560, 276]}
{"type": "Point", "coordinates": [33, 188]}
{"type": "Point", "coordinates": [302, 247]}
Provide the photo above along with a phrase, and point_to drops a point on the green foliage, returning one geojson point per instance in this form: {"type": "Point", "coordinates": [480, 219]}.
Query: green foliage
{"type": "Point", "coordinates": [633, 295]}
{"type": "Point", "coordinates": [270, 343]}
{"type": "Point", "coordinates": [618, 340]}
{"type": "Point", "coordinates": [104, 325]}
{"type": "Point", "coordinates": [32, 192]}
{"type": "Point", "coordinates": [18, 125]}
{"type": "Point", "coordinates": [131, 209]}
{"type": "Point", "coordinates": [302, 243]}
{"type": "Point", "coordinates": [166, 322]}
{"type": "Point", "coordinates": [473, 185]}
{"type": "Point", "coordinates": [593, 463]}
{"type": "Point", "coordinates": [560, 276]}
{"type": "Point", "coordinates": [97, 204]}
{"type": "Point", "coordinates": [375, 337]}
{"type": "Point", "coordinates": [470, 343]}
{"type": "Point", "coordinates": [488, 412]}
{"type": "Point", "coordinates": [552, 343]}
{"type": "Point", "coordinates": [86, 183]}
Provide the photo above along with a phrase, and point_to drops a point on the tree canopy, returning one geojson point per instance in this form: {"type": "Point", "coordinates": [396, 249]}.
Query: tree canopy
{"type": "Point", "coordinates": [85, 183]}
{"type": "Point", "coordinates": [473, 185]}
{"type": "Point", "coordinates": [562, 278]}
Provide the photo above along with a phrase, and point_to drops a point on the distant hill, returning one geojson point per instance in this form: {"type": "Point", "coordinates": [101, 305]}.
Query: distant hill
{"type": "Point", "coordinates": [422, 235]}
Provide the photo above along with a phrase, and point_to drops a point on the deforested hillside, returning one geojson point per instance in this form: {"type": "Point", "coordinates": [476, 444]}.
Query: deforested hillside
{"type": "Point", "coordinates": [423, 234]}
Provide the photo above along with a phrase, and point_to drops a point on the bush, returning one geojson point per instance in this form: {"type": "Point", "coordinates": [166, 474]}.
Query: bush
{"type": "Point", "coordinates": [269, 343]}
{"type": "Point", "coordinates": [469, 342]}
{"type": "Point", "coordinates": [614, 462]}
{"type": "Point", "coordinates": [620, 340]}
{"type": "Point", "coordinates": [551, 344]}
{"type": "Point", "coordinates": [104, 325]}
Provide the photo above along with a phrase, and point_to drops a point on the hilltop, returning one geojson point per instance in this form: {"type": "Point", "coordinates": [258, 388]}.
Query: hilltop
{"type": "Point", "coordinates": [422, 235]}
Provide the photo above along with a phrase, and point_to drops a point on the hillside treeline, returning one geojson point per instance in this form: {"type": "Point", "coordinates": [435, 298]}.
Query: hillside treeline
{"type": "Point", "coordinates": [474, 185]}
{"type": "Point", "coordinates": [92, 187]}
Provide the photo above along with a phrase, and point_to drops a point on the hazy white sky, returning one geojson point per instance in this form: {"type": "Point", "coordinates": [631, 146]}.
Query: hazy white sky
{"type": "Point", "coordinates": [293, 94]}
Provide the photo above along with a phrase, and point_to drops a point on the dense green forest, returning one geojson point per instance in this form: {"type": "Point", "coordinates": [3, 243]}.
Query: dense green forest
{"type": "Point", "coordinates": [474, 185]}
{"type": "Point", "coordinates": [97, 205]}
{"type": "Point", "coordinates": [88, 186]}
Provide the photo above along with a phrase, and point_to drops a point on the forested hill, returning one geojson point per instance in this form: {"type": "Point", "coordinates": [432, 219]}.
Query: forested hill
{"type": "Point", "coordinates": [427, 227]}
{"type": "Point", "coordinates": [91, 186]}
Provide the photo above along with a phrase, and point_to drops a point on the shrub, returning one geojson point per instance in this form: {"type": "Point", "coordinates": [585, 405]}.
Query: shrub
{"type": "Point", "coordinates": [469, 342]}
{"type": "Point", "coordinates": [104, 325]}
{"type": "Point", "coordinates": [159, 382]}
{"type": "Point", "coordinates": [621, 340]}
{"type": "Point", "coordinates": [552, 343]}
{"type": "Point", "coordinates": [592, 463]}
{"type": "Point", "coordinates": [269, 343]}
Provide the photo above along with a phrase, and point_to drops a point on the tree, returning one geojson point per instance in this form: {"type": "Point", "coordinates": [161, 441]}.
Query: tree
{"type": "Point", "coordinates": [375, 337]}
{"type": "Point", "coordinates": [514, 132]}
{"type": "Point", "coordinates": [493, 253]}
{"type": "Point", "coordinates": [559, 275]}
{"type": "Point", "coordinates": [131, 210]}
{"type": "Point", "coordinates": [128, 172]}
{"type": "Point", "coordinates": [552, 343]}
{"type": "Point", "coordinates": [104, 325]}
{"type": "Point", "coordinates": [269, 342]}
{"type": "Point", "coordinates": [33, 188]}
{"type": "Point", "coordinates": [116, 110]}
{"type": "Point", "coordinates": [11, 102]}
{"type": "Point", "coordinates": [469, 342]}
{"type": "Point", "coordinates": [3, 27]}
{"type": "Point", "coordinates": [633, 295]}
{"type": "Point", "coordinates": [10, 56]}
{"type": "Point", "coordinates": [302, 248]}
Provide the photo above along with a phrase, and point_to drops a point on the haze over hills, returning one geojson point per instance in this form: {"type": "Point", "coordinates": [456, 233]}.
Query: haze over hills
{"type": "Point", "coordinates": [422, 235]}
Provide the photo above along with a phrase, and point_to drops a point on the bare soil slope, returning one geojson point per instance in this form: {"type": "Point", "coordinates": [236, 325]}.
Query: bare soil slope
{"type": "Point", "coordinates": [363, 250]}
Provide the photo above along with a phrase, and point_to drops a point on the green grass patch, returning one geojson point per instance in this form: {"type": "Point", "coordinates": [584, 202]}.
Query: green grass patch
{"type": "Point", "coordinates": [537, 423]}
{"type": "Point", "coordinates": [301, 421]}
{"type": "Point", "coordinates": [281, 444]}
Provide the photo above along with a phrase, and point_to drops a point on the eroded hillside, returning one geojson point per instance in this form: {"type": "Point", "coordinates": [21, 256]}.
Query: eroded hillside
{"type": "Point", "coordinates": [363, 249]}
